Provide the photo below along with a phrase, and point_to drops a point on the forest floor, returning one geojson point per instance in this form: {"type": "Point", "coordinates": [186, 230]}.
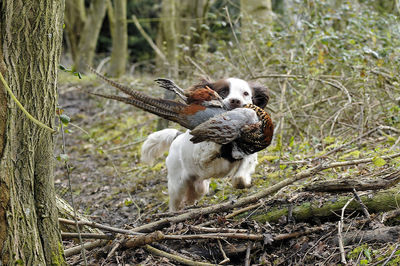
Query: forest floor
{"type": "Point", "coordinates": [110, 186]}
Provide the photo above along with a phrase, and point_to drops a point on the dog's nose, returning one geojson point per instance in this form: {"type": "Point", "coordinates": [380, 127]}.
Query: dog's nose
{"type": "Point", "coordinates": [234, 103]}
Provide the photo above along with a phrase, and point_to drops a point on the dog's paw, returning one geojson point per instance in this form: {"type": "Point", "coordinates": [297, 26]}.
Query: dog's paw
{"type": "Point", "coordinates": [239, 182]}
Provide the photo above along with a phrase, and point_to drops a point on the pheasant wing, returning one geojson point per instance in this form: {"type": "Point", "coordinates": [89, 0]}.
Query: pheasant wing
{"type": "Point", "coordinates": [224, 128]}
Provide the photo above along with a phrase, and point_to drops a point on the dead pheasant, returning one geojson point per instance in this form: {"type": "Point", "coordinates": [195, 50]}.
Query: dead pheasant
{"type": "Point", "coordinates": [240, 131]}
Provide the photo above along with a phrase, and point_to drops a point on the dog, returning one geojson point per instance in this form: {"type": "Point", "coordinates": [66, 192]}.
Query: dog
{"type": "Point", "coordinates": [191, 165]}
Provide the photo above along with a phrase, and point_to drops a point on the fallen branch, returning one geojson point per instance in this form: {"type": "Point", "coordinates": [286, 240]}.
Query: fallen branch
{"type": "Point", "coordinates": [66, 236]}
{"type": "Point", "coordinates": [137, 241]}
{"type": "Point", "coordinates": [216, 230]}
{"type": "Point", "coordinates": [252, 198]}
{"type": "Point", "coordinates": [100, 226]}
{"type": "Point", "coordinates": [382, 235]}
{"type": "Point", "coordinates": [341, 185]}
{"type": "Point", "coordinates": [87, 246]}
{"type": "Point", "coordinates": [174, 257]}
{"type": "Point", "coordinates": [379, 202]}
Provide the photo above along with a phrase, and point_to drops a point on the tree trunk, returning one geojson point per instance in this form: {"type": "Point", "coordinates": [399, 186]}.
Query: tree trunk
{"type": "Point", "coordinates": [75, 16]}
{"type": "Point", "coordinates": [119, 36]}
{"type": "Point", "coordinates": [83, 28]}
{"type": "Point", "coordinates": [30, 37]}
{"type": "Point", "coordinates": [168, 39]}
{"type": "Point", "coordinates": [192, 16]}
{"type": "Point", "coordinates": [254, 11]}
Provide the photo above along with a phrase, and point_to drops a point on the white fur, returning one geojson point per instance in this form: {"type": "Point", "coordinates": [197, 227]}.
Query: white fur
{"type": "Point", "coordinates": [239, 90]}
{"type": "Point", "coordinates": [156, 144]}
{"type": "Point", "coordinates": [191, 165]}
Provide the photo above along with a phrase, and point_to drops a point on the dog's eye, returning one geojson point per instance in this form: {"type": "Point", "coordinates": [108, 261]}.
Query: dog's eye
{"type": "Point", "coordinates": [245, 93]}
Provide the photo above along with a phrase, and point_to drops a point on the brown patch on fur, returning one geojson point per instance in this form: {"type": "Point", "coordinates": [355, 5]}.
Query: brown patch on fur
{"type": "Point", "coordinates": [220, 85]}
{"type": "Point", "coordinates": [260, 95]}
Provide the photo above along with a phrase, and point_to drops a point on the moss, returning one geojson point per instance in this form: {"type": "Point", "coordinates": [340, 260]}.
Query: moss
{"type": "Point", "coordinates": [58, 259]}
{"type": "Point", "coordinates": [382, 201]}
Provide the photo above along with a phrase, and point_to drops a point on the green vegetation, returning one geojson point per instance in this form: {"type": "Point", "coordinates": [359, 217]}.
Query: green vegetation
{"type": "Point", "coordinates": [332, 68]}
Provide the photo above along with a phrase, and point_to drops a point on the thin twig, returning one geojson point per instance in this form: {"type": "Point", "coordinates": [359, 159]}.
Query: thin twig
{"type": "Point", "coordinates": [340, 237]}
{"type": "Point", "coordinates": [97, 225]}
{"type": "Point", "coordinates": [85, 235]}
{"type": "Point", "coordinates": [72, 196]}
{"type": "Point", "coordinates": [247, 259]}
{"type": "Point", "coordinates": [391, 255]}
{"type": "Point", "coordinates": [87, 246]}
{"type": "Point", "coordinates": [114, 248]}
{"type": "Point", "coordinates": [174, 257]}
{"type": "Point", "coordinates": [245, 209]}
{"type": "Point", "coordinates": [255, 237]}
{"type": "Point", "coordinates": [216, 230]}
{"type": "Point", "coordinates": [148, 39]}
{"type": "Point", "coordinates": [363, 207]}
{"type": "Point", "coordinates": [238, 43]}
{"type": "Point", "coordinates": [226, 259]}
{"type": "Point", "coordinates": [30, 117]}
{"type": "Point", "coordinates": [188, 58]}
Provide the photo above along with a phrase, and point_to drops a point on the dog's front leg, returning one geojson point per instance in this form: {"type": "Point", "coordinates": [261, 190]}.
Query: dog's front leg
{"type": "Point", "coordinates": [242, 177]}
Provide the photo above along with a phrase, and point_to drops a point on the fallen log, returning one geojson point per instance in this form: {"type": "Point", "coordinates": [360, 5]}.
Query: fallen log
{"type": "Point", "coordinates": [379, 202]}
{"type": "Point", "coordinates": [360, 184]}
{"type": "Point", "coordinates": [382, 235]}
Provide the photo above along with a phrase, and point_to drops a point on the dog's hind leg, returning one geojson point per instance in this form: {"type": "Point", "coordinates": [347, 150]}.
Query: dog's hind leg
{"type": "Point", "coordinates": [195, 189]}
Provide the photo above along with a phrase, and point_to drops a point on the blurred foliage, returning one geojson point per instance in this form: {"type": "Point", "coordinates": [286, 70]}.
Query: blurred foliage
{"type": "Point", "coordinates": [137, 45]}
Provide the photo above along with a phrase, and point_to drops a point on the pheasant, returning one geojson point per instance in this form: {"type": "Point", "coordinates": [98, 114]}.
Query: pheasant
{"type": "Point", "coordinates": [240, 131]}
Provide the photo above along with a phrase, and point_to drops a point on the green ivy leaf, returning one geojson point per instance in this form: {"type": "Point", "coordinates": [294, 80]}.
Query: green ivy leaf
{"type": "Point", "coordinates": [65, 119]}
{"type": "Point", "coordinates": [367, 254]}
{"type": "Point", "coordinates": [128, 202]}
{"type": "Point", "coordinates": [62, 157]}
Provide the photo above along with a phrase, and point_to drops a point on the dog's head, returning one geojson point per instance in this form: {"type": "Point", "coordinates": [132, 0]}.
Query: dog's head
{"type": "Point", "coordinates": [237, 92]}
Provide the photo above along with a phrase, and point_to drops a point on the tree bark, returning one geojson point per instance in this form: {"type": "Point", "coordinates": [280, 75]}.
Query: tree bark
{"type": "Point", "coordinates": [168, 39]}
{"type": "Point", "coordinates": [195, 13]}
{"type": "Point", "coordinates": [83, 28]}
{"type": "Point", "coordinates": [254, 11]}
{"type": "Point", "coordinates": [75, 16]}
{"type": "Point", "coordinates": [31, 38]}
{"type": "Point", "coordinates": [119, 36]}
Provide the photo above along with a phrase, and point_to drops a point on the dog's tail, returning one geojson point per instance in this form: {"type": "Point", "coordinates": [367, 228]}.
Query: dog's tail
{"type": "Point", "coordinates": [157, 143]}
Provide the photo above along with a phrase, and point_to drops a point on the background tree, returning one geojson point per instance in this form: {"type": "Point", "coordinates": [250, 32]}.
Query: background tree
{"type": "Point", "coordinates": [30, 39]}
{"type": "Point", "coordinates": [255, 11]}
{"type": "Point", "coordinates": [82, 26]}
{"type": "Point", "coordinates": [119, 36]}
{"type": "Point", "coordinates": [167, 38]}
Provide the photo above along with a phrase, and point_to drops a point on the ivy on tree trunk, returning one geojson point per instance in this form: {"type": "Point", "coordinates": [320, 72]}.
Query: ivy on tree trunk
{"type": "Point", "coordinates": [30, 41]}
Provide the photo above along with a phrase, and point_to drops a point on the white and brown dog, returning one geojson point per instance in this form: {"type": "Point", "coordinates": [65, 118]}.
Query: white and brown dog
{"type": "Point", "coordinates": [191, 165]}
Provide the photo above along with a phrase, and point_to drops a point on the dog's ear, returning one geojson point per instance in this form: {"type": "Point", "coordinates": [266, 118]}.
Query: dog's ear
{"type": "Point", "coordinates": [260, 95]}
